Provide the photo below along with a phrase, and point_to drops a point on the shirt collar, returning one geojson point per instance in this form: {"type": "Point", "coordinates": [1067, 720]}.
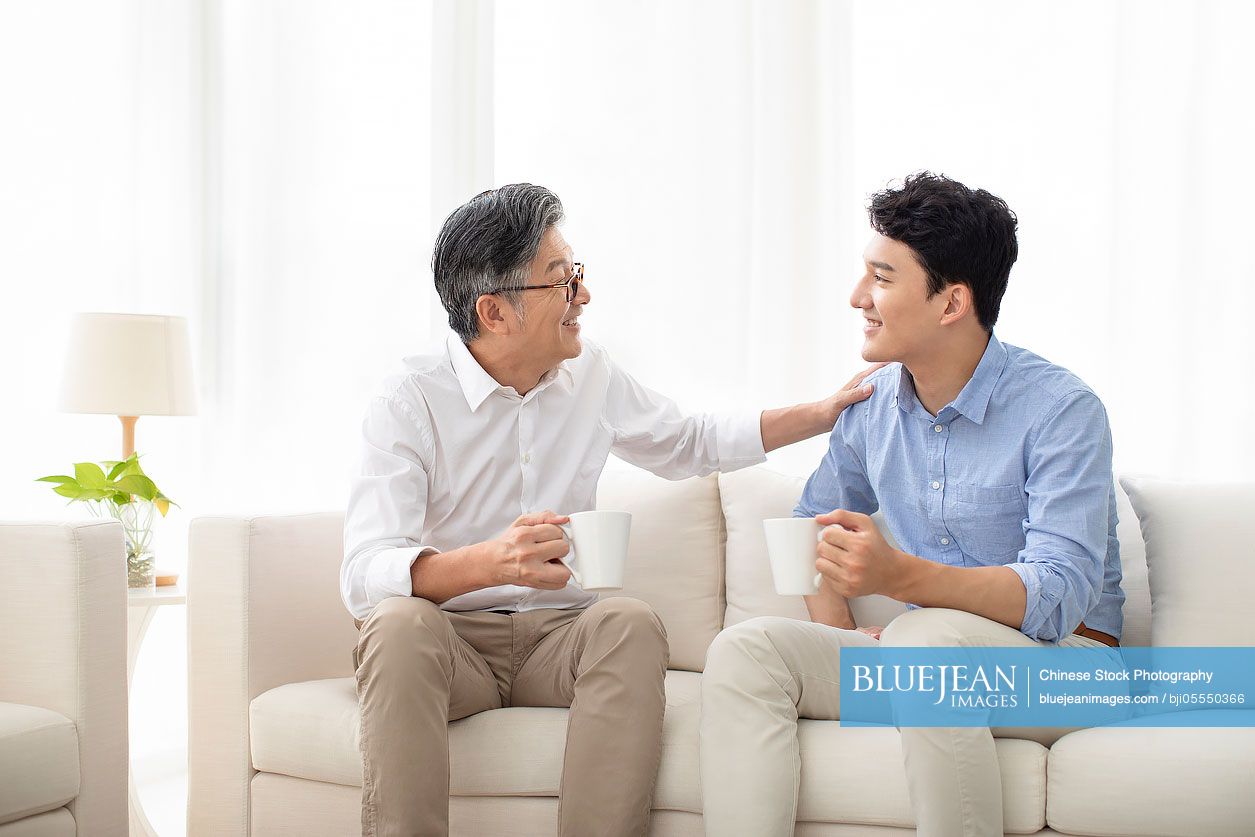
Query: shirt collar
{"type": "Point", "coordinates": [974, 398]}
{"type": "Point", "coordinates": [477, 384]}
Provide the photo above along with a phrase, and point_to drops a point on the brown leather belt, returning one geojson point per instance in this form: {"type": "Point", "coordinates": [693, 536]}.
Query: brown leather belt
{"type": "Point", "coordinates": [1090, 633]}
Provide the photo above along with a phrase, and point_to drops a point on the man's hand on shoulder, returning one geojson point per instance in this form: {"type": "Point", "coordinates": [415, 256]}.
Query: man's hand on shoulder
{"type": "Point", "coordinates": [853, 392]}
{"type": "Point", "coordinates": [530, 553]}
{"type": "Point", "coordinates": [855, 557]}
{"type": "Point", "coordinates": [793, 424]}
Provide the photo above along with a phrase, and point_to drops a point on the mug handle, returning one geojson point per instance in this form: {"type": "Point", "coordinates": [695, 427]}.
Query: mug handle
{"type": "Point", "coordinates": [570, 558]}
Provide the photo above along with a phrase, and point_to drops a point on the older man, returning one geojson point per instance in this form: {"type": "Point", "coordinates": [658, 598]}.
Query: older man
{"type": "Point", "coordinates": [452, 548]}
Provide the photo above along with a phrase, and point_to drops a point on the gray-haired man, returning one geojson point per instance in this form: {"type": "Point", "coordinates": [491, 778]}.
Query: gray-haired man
{"type": "Point", "coordinates": [452, 548]}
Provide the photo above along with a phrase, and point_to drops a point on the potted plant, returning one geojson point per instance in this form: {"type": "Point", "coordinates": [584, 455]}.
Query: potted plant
{"type": "Point", "coordinates": [124, 492]}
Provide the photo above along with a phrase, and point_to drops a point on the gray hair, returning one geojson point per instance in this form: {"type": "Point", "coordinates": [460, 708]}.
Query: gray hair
{"type": "Point", "coordinates": [486, 246]}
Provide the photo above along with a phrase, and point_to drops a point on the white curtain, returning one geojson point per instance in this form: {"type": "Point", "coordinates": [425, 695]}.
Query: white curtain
{"type": "Point", "coordinates": [276, 172]}
{"type": "Point", "coordinates": [322, 235]}
{"type": "Point", "coordinates": [100, 210]}
{"type": "Point", "coordinates": [716, 158]}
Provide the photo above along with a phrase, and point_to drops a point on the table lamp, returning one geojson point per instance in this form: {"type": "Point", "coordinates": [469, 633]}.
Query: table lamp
{"type": "Point", "coordinates": [129, 365]}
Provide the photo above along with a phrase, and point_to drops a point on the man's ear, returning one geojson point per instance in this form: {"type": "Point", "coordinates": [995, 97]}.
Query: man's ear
{"type": "Point", "coordinates": [495, 315]}
{"type": "Point", "coordinates": [958, 303]}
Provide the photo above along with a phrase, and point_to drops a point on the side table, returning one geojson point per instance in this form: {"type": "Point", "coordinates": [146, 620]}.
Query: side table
{"type": "Point", "coordinates": [142, 604]}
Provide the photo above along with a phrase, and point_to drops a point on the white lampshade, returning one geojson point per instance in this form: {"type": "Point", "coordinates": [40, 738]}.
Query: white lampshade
{"type": "Point", "coordinates": [129, 365]}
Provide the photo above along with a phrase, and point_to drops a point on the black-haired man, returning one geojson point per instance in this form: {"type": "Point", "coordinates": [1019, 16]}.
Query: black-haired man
{"type": "Point", "coordinates": [992, 468]}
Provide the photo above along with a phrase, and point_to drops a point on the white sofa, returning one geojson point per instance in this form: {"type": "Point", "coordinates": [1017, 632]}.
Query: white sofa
{"type": "Point", "coordinates": [273, 715]}
{"type": "Point", "coordinates": [63, 719]}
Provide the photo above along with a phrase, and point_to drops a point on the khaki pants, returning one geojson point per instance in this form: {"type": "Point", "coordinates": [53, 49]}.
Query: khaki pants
{"type": "Point", "coordinates": [764, 674]}
{"type": "Point", "coordinates": [419, 667]}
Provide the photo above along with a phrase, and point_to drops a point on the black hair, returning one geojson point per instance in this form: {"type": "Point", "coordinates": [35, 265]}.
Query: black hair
{"type": "Point", "coordinates": [958, 235]}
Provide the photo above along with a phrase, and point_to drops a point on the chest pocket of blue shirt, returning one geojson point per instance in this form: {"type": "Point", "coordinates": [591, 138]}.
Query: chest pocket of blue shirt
{"type": "Point", "coordinates": [987, 520]}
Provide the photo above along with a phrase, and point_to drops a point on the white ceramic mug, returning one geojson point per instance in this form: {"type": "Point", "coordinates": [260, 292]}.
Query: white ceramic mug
{"type": "Point", "coordinates": [599, 547]}
{"type": "Point", "coordinates": [791, 545]}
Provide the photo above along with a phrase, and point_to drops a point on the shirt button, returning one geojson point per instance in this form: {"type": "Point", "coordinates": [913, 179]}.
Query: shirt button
{"type": "Point", "coordinates": [527, 457]}
{"type": "Point", "coordinates": [937, 428]}
{"type": "Point", "coordinates": [945, 541]}
{"type": "Point", "coordinates": [936, 485]}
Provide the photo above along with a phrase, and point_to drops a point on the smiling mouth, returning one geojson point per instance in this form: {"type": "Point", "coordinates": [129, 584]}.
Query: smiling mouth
{"type": "Point", "coordinates": [870, 323]}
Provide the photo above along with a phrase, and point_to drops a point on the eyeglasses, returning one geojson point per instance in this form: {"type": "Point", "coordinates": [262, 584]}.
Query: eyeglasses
{"type": "Point", "coordinates": [571, 284]}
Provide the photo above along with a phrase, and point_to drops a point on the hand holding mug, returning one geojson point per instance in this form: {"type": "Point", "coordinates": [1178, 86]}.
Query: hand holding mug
{"type": "Point", "coordinates": [530, 552]}
{"type": "Point", "coordinates": [854, 556]}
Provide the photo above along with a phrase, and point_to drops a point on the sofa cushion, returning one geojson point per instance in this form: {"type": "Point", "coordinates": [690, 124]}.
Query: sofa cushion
{"type": "Point", "coordinates": [855, 775]}
{"type": "Point", "coordinates": [675, 556]}
{"type": "Point", "coordinates": [749, 497]}
{"type": "Point", "coordinates": [1198, 551]}
{"type": "Point", "coordinates": [1129, 780]}
{"type": "Point", "coordinates": [38, 760]}
{"type": "Point", "coordinates": [58, 822]}
{"type": "Point", "coordinates": [310, 730]}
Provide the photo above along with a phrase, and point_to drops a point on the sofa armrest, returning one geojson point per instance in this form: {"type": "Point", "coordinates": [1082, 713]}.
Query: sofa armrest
{"type": "Point", "coordinates": [63, 647]}
{"type": "Point", "coordinates": [263, 609]}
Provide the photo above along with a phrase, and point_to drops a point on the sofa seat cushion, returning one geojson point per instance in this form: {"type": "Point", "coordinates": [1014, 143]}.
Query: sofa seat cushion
{"type": "Point", "coordinates": [58, 822]}
{"type": "Point", "coordinates": [38, 760]}
{"type": "Point", "coordinates": [851, 775]}
{"type": "Point", "coordinates": [855, 775]}
{"type": "Point", "coordinates": [1147, 780]}
{"type": "Point", "coordinates": [310, 730]}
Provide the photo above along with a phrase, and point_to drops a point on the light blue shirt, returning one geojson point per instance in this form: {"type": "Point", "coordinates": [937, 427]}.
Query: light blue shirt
{"type": "Point", "coordinates": [1016, 471]}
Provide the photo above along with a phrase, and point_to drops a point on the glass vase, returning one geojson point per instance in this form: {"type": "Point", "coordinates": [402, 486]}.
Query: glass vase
{"type": "Point", "coordinates": [137, 519]}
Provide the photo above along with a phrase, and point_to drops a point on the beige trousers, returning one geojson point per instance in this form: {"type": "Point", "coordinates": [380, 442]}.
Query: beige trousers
{"type": "Point", "coordinates": [419, 667]}
{"type": "Point", "coordinates": [764, 674]}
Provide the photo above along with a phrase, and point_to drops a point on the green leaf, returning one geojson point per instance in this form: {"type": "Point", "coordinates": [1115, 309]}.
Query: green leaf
{"type": "Point", "coordinates": [92, 493]}
{"type": "Point", "coordinates": [89, 475]}
{"type": "Point", "coordinates": [130, 465]}
{"type": "Point", "coordinates": [138, 485]}
{"type": "Point", "coordinates": [60, 480]}
{"type": "Point", "coordinates": [71, 489]}
{"type": "Point", "coordinates": [120, 499]}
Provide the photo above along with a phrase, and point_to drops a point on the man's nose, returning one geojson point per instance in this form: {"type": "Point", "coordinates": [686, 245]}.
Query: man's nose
{"type": "Point", "coordinates": [859, 297]}
{"type": "Point", "coordinates": [583, 296]}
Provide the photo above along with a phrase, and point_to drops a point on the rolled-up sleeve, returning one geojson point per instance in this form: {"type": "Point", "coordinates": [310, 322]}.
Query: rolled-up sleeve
{"type": "Point", "coordinates": [387, 507]}
{"type": "Point", "coordinates": [1069, 484]}
{"type": "Point", "coordinates": [651, 432]}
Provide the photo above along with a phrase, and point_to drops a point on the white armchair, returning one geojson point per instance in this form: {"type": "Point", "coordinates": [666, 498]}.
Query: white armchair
{"type": "Point", "coordinates": [63, 710]}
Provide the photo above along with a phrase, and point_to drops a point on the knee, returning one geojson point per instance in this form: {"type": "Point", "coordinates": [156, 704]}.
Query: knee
{"type": "Point", "coordinates": [406, 619]}
{"type": "Point", "coordinates": [931, 627]}
{"type": "Point", "coordinates": [634, 615]}
{"type": "Point", "coordinates": [748, 640]}
{"type": "Point", "coordinates": [632, 620]}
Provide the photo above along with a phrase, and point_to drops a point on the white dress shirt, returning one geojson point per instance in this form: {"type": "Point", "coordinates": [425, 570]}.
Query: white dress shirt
{"type": "Point", "coordinates": [451, 458]}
